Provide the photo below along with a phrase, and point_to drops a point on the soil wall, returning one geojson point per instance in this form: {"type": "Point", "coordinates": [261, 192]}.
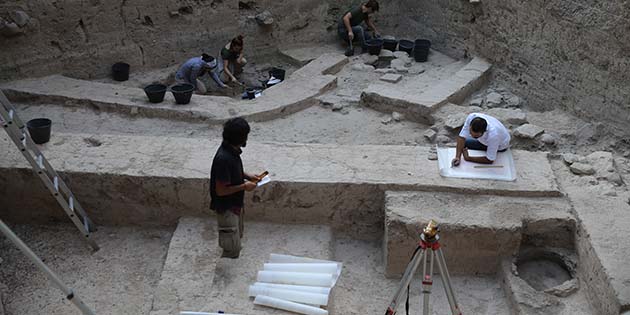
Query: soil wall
{"type": "Point", "coordinates": [569, 54]}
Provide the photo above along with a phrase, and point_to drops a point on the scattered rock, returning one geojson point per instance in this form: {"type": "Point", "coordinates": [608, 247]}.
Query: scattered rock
{"type": "Point", "coordinates": [604, 165]}
{"type": "Point", "coordinates": [548, 139]}
{"type": "Point", "coordinates": [391, 78]}
{"type": "Point", "coordinates": [397, 116]}
{"type": "Point", "coordinates": [528, 131]}
{"type": "Point", "coordinates": [362, 67]}
{"type": "Point", "coordinates": [416, 69]}
{"type": "Point", "coordinates": [264, 18]}
{"type": "Point", "coordinates": [476, 102]}
{"type": "Point", "coordinates": [337, 107]}
{"type": "Point", "coordinates": [134, 111]}
{"type": "Point", "coordinates": [386, 54]}
{"type": "Point", "coordinates": [385, 70]}
{"type": "Point", "coordinates": [399, 66]}
{"type": "Point", "coordinates": [565, 289]}
{"type": "Point", "coordinates": [430, 135]}
{"type": "Point", "coordinates": [586, 133]}
{"type": "Point", "coordinates": [570, 158]}
{"type": "Point", "coordinates": [443, 139]}
{"type": "Point", "coordinates": [494, 99]}
{"type": "Point", "coordinates": [432, 156]}
{"type": "Point", "coordinates": [11, 29]}
{"type": "Point", "coordinates": [455, 121]}
{"type": "Point", "coordinates": [610, 193]}
{"type": "Point", "coordinates": [401, 54]}
{"type": "Point", "coordinates": [369, 59]}
{"type": "Point", "coordinates": [20, 18]}
{"type": "Point", "coordinates": [513, 101]}
{"type": "Point", "coordinates": [386, 121]}
{"type": "Point", "coordinates": [582, 169]}
{"type": "Point", "coordinates": [510, 116]}
{"type": "Point", "coordinates": [173, 14]}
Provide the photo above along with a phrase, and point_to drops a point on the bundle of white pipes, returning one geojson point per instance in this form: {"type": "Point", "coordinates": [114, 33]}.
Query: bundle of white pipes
{"type": "Point", "coordinates": [297, 284]}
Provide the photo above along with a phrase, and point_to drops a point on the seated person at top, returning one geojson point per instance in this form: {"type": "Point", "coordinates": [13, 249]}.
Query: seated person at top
{"type": "Point", "coordinates": [481, 132]}
{"type": "Point", "coordinates": [232, 59]}
{"type": "Point", "coordinates": [350, 25]}
{"type": "Point", "coordinates": [196, 67]}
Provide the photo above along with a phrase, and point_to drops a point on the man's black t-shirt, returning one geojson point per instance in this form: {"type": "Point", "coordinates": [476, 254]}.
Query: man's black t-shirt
{"type": "Point", "coordinates": [227, 168]}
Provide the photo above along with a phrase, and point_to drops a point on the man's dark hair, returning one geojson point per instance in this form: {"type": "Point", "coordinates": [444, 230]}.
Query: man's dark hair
{"type": "Point", "coordinates": [372, 4]}
{"type": "Point", "coordinates": [235, 131]}
{"type": "Point", "coordinates": [478, 124]}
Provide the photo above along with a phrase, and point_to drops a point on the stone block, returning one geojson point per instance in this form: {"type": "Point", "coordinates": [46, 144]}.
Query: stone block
{"type": "Point", "coordinates": [430, 135]}
{"type": "Point", "coordinates": [455, 121]}
{"type": "Point", "coordinates": [362, 67]}
{"type": "Point", "coordinates": [20, 18]}
{"type": "Point", "coordinates": [399, 66]}
{"type": "Point", "coordinates": [264, 18]}
{"type": "Point", "coordinates": [582, 169]}
{"type": "Point", "coordinates": [528, 131]}
{"type": "Point", "coordinates": [494, 99]}
{"type": "Point", "coordinates": [369, 59]}
{"type": "Point", "coordinates": [476, 102]}
{"type": "Point", "coordinates": [391, 78]}
{"type": "Point", "coordinates": [397, 116]}
{"type": "Point", "coordinates": [416, 69]}
{"type": "Point", "coordinates": [510, 116]}
{"type": "Point", "coordinates": [386, 54]}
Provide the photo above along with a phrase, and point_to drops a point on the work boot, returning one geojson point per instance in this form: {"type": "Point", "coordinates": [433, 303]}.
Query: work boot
{"type": "Point", "coordinates": [349, 52]}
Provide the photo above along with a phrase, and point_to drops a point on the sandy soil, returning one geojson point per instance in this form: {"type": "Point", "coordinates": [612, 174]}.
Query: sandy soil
{"type": "Point", "coordinates": [125, 270]}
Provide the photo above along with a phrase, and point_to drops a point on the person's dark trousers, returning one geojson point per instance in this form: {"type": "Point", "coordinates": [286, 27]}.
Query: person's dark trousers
{"type": "Point", "coordinates": [360, 35]}
{"type": "Point", "coordinates": [474, 144]}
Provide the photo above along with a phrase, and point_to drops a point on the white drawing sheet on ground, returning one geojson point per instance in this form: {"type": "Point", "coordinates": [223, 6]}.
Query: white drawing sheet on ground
{"type": "Point", "coordinates": [263, 181]}
{"type": "Point", "coordinates": [502, 169]}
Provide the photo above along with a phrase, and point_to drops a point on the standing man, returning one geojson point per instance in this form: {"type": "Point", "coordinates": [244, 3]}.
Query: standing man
{"type": "Point", "coordinates": [481, 132]}
{"type": "Point", "coordinates": [228, 183]}
{"type": "Point", "coordinates": [350, 25]}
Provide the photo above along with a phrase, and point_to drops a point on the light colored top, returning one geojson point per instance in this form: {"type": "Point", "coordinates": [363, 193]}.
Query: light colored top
{"type": "Point", "coordinates": [193, 68]}
{"type": "Point", "coordinates": [496, 137]}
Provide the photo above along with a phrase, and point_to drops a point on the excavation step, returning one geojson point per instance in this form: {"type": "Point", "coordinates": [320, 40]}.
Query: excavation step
{"type": "Point", "coordinates": [155, 180]}
{"type": "Point", "coordinates": [418, 102]}
{"type": "Point", "coordinates": [294, 94]}
{"type": "Point", "coordinates": [476, 231]}
{"type": "Point", "coordinates": [194, 278]}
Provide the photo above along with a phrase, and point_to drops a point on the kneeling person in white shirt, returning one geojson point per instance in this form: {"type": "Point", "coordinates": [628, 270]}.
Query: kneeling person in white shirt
{"type": "Point", "coordinates": [481, 132]}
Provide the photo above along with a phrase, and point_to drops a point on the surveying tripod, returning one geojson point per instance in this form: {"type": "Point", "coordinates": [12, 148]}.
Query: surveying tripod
{"type": "Point", "coordinates": [429, 247]}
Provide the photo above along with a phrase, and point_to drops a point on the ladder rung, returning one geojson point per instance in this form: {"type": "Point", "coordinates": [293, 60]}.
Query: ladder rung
{"type": "Point", "coordinates": [11, 112]}
{"type": "Point", "coordinates": [56, 184]}
{"type": "Point", "coordinates": [71, 203]}
{"type": "Point", "coordinates": [85, 223]}
{"type": "Point", "coordinates": [40, 161]}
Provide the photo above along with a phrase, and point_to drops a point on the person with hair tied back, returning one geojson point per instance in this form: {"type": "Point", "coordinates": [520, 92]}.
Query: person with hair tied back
{"type": "Point", "coordinates": [232, 58]}
{"type": "Point", "coordinates": [350, 25]}
{"type": "Point", "coordinates": [196, 67]}
{"type": "Point", "coordinates": [228, 183]}
{"type": "Point", "coordinates": [481, 132]}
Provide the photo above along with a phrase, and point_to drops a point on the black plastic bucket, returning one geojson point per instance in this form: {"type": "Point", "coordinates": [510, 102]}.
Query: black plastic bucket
{"type": "Point", "coordinates": [39, 129]}
{"type": "Point", "coordinates": [406, 46]}
{"type": "Point", "coordinates": [421, 50]}
{"type": "Point", "coordinates": [374, 46]}
{"type": "Point", "coordinates": [277, 73]}
{"type": "Point", "coordinates": [390, 44]}
{"type": "Point", "coordinates": [120, 71]}
{"type": "Point", "coordinates": [155, 92]}
{"type": "Point", "coordinates": [251, 94]}
{"type": "Point", "coordinates": [182, 93]}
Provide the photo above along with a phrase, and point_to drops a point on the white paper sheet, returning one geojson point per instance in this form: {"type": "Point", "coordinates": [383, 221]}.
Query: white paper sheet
{"type": "Point", "coordinates": [468, 170]}
{"type": "Point", "coordinates": [263, 181]}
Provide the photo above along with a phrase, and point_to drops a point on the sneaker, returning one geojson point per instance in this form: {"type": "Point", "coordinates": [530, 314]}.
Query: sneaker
{"type": "Point", "coordinates": [349, 52]}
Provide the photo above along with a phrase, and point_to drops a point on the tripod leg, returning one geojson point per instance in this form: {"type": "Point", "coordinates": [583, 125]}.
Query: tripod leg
{"type": "Point", "coordinates": [446, 280]}
{"type": "Point", "coordinates": [427, 282]}
{"type": "Point", "coordinates": [405, 281]}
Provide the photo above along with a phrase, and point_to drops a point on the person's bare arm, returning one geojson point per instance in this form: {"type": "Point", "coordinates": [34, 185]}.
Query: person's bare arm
{"type": "Point", "coordinates": [370, 24]}
{"type": "Point", "coordinates": [346, 22]}
{"type": "Point", "coordinates": [224, 190]}
{"type": "Point", "coordinates": [476, 159]}
{"type": "Point", "coordinates": [226, 68]}
{"type": "Point", "coordinates": [458, 151]}
{"type": "Point", "coordinates": [241, 56]}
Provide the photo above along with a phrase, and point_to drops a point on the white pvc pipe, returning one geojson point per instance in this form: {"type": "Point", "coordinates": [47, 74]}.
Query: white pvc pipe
{"type": "Point", "coordinates": [289, 306]}
{"type": "Point", "coordinates": [297, 278]}
{"type": "Point", "coordinates": [301, 288]}
{"type": "Point", "coordinates": [288, 259]}
{"type": "Point", "coordinates": [293, 296]}
{"type": "Point", "coordinates": [312, 268]}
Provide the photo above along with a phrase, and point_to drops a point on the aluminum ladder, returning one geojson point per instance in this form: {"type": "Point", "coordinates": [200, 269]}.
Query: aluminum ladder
{"type": "Point", "coordinates": [16, 130]}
